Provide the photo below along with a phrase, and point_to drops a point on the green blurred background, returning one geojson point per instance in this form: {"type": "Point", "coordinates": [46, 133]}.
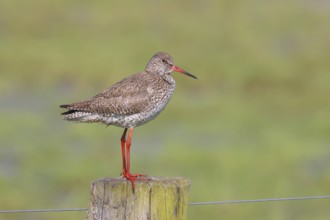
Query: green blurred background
{"type": "Point", "coordinates": [254, 125]}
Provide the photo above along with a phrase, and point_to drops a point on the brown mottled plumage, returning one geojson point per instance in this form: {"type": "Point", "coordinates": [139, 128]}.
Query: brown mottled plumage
{"type": "Point", "coordinates": [130, 102]}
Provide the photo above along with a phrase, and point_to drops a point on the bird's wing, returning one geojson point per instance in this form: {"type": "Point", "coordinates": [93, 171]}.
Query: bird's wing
{"type": "Point", "coordinates": [126, 97]}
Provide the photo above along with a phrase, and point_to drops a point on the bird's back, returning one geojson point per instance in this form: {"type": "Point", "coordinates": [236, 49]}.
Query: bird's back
{"type": "Point", "coordinates": [128, 103]}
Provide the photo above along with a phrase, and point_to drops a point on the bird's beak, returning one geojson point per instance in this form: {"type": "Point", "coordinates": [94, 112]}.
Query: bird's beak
{"type": "Point", "coordinates": [179, 70]}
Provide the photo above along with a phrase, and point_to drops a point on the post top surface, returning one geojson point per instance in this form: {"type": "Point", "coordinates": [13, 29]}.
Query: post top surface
{"type": "Point", "coordinates": [154, 180]}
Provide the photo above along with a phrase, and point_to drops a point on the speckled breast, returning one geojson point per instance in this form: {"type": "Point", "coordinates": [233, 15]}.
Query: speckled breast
{"type": "Point", "coordinates": [153, 108]}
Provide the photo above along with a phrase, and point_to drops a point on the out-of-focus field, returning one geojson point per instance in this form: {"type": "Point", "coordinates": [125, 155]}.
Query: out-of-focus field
{"type": "Point", "coordinates": [256, 123]}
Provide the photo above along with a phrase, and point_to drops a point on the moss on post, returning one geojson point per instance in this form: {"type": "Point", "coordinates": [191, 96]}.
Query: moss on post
{"type": "Point", "coordinates": [158, 198]}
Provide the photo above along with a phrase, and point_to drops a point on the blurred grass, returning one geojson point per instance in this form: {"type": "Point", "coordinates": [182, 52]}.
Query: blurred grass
{"type": "Point", "coordinates": [254, 125]}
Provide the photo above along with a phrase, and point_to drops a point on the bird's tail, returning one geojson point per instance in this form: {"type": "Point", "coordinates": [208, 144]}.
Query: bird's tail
{"type": "Point", "coordinates": [76, 112]}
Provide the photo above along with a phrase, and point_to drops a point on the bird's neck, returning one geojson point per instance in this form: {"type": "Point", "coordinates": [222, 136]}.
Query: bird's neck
{"type": "Point", "coordinates": [169, 79]}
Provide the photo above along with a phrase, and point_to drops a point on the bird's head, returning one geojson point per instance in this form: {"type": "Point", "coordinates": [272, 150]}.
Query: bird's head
{"type": "Point", "coordinates": [162, 63]}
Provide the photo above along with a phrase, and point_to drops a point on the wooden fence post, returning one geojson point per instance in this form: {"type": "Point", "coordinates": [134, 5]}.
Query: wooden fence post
{"type": "Point", "coordinates": [155, 199]}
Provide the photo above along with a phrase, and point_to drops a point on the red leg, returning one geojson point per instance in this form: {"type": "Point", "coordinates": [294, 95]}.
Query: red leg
{"type": "Point", "coordinates": [127, 172]}
{"type": "Point", "coordinates": [123, 153]}
{"type": "Point", "coordinates": [128, 150]}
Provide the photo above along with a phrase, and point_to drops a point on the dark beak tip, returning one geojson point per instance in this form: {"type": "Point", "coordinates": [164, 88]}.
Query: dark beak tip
{"type": "Point", "coordinates": [191, 75]}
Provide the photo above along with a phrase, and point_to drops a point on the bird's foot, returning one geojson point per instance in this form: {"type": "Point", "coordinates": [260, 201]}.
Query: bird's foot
{"type": "Point", "coordinates": [132, 177]}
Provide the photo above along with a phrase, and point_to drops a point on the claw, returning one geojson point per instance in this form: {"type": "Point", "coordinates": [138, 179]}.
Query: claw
{"type": "Point", "coordinates": [132, 177]}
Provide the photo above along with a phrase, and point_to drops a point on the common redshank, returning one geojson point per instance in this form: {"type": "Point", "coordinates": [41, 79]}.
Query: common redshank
{"type": "Point", "coordinates": [129, 103]}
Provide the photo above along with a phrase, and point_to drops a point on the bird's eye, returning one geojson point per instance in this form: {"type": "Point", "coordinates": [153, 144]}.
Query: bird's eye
{"type": "Point", "coordinates": [164, 61]}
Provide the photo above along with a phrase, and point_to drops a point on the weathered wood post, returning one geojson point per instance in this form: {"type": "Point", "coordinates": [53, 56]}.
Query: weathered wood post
{"type": "Point", "coordinates": [158, 198]}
